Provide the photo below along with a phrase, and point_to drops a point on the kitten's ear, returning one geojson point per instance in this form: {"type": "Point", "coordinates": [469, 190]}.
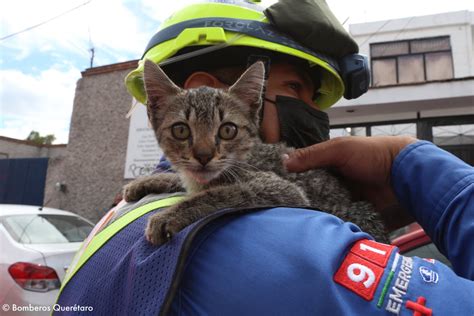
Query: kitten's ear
{"type": "Point", "coordinates": [249, 86]}
{"type": "Point", "coordinates": [157, 84]}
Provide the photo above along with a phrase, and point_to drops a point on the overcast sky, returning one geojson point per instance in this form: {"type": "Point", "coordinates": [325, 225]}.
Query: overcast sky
{"type": "Point", "coordinates": [39, 68]}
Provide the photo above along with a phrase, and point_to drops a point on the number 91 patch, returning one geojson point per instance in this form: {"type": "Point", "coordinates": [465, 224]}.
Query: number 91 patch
{"type": "Point", "coordinates": [363, 267]}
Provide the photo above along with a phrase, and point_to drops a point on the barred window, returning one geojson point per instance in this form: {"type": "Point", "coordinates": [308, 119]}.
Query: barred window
{"type": "Point", "coordinates": [411, 61]}
{"type": "Point", "coordinates": [394, 129]}
{"type": "Point", "coordinates": [389, 49]}
{"type": "Point", "coordinates": [453, 134]}
{"type": "Point", "coordinates": [347, 131]}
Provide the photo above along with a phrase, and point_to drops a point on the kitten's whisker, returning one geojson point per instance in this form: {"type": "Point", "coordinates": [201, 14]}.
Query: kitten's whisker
{"type": "Point", "coordinates": [242, 162]}
{"type": "Point", "coordinates": [243, 166]}
{"type": "Point", "coordinates": [234, 175]}
{"type": "Point", "coordinates": [226, 176]}
{"type": "Point", "coordinates": [238, 169]}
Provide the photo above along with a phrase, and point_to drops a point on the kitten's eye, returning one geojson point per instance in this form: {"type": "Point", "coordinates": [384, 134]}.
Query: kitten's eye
{"type": "Point", "coordinates": [227, 131]}
{"type": "Point", "coordinates": [180, 131]}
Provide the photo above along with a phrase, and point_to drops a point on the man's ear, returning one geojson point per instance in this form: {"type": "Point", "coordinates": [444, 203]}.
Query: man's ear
{"type": "Point", "coordinates": [200, 78]}
{"type": "Point", "coordinates": [157, 84]}
{"type": "Point", "coordinates": [248, 88]}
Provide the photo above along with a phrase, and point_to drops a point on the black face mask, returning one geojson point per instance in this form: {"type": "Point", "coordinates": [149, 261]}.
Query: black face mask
{"type": "Point", "coordinates": [300, 124]}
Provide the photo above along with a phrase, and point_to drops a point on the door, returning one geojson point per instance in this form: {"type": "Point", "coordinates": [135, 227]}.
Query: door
{"type": "Point", "coordinates": [22, 181]}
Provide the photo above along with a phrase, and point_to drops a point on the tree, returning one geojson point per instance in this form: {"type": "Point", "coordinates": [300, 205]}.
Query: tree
{"type": "Point", "coordinates": [35, 137]}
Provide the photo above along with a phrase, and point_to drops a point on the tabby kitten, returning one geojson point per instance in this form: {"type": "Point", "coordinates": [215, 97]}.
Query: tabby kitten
{"type": "Point", "coordinates": [211, 138]}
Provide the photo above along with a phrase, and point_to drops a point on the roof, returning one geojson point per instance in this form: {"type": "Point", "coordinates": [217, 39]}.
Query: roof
{"type": "Point", "coordinates": [29, 142]}
{"type": "Point", "coordinates": [132, 64]}
{"type": "Point", "coordinates": [463, 17]}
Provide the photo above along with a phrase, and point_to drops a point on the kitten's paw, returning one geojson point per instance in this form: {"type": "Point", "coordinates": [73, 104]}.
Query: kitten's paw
{"type": "Point", "coordinates": [161, 228]}
{"type": "Point", "coordinates": [159, 183]}
{"type": "Point", "coordinates": [134, 191]}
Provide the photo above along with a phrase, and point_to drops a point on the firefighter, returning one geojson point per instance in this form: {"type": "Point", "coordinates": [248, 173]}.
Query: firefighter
{"type": "Point", "coordinates": [284, 261]}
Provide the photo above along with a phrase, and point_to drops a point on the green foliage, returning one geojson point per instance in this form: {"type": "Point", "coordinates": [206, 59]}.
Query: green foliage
{"type": "Point", "coordinates": [35, 137]}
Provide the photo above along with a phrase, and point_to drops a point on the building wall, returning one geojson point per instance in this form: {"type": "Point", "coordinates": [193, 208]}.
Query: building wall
{"type": "Point", "coordinates": [472, 37]}
{"type": "Point", "coordinates": [53, 197]}
{"type": "Point", "coordinates": [10, 148]}
{"type": "Point", "coordinates": [15, 148]}
{"type": "Point", "coordinates": [94, 165]}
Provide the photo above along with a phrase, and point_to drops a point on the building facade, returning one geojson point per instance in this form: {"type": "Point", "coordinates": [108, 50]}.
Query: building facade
{"type": "Point", "coordinates": [422, 82]}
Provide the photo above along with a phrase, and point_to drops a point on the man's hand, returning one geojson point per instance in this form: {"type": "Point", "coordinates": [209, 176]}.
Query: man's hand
{"type": "Point", "coordinates": [365, 162]}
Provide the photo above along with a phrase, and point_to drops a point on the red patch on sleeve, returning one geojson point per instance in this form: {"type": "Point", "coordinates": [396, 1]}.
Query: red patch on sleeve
{"type": "Point", "coordinates": [359, 275]}
{"type": "Point", "coordinates": [373, 251]}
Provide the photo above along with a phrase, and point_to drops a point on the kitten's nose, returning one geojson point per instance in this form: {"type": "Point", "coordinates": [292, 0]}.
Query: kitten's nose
{"type": "Point", "coordinates": [203, 156]}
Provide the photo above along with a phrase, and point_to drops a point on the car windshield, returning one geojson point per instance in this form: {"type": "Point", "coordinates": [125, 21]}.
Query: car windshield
{"type": "Point", "coordinates": [46, 229]}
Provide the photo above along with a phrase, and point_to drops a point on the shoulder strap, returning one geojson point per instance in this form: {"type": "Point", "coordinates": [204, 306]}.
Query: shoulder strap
{"type": "Point", "coordinates": [91, 245]}
{"type": "Point", "coordinates": [184, 246]}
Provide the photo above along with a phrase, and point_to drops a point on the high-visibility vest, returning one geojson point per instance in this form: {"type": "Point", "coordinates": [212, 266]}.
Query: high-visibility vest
{"type": "Point", "coordinates": [106, 237]}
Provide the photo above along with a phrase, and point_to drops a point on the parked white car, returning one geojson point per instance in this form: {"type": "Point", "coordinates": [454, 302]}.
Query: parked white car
{"type": "Point", "coordinates": [36, 247]}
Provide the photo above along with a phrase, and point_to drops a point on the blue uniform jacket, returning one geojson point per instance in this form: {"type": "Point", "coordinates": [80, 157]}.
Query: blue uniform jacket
{"type": "Point", "coordinates": [285, 261]}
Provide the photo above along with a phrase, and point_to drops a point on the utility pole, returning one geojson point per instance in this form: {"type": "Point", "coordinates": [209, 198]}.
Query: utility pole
{"type": "Point", "coordinates": [92, 50]}
{"type": "Point", "coordinates": [91, 45]}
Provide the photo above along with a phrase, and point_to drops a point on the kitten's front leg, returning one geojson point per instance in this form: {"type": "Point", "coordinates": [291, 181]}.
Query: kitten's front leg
{"type": "Point", "coordinates": [157, 183]}
{"type": "Point", "coordinates": [164, 225]}
{"type": "Point", "coordinates": [266, 189]}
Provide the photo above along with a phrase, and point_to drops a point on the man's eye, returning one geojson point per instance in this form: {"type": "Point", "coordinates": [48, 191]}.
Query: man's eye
{"type": "Point", "coordinates": [296, 86]}
{"type": "Point", "coordinates": [180, 131]}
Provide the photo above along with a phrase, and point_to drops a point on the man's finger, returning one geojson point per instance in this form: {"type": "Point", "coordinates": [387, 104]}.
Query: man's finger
{"type": "Point", "coordinates": [326, 154]}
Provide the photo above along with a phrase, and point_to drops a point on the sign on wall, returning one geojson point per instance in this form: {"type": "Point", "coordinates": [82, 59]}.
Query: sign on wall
{"type": "Point", "coordinates": [143, 153]}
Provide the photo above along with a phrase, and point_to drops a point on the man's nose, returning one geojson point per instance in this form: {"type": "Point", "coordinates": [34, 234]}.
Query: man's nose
{"type": "Point", "coordinates": [204, 155]}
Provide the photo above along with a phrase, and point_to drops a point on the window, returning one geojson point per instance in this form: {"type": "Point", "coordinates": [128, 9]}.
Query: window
{"type": "Point", "coordinates": [46, 229]}
{"type": "Point", "coordinates": [453, 135]}
{"type": "Point", "coordinates": [348, 131]}
{"type": "Point", "coordinates": [411, 61]}
{"type": "Point", "coordinates": [394, 129]}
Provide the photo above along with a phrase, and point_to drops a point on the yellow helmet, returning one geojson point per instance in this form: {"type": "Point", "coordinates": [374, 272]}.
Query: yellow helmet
{"type": "Point", "coordinates": [209, 28]}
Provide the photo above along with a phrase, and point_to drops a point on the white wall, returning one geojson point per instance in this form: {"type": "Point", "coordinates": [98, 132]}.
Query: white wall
{"type": "Point", "coordinates": [427, 99]}
{"type": "Point", "coordinates": [13, 148]}
{"type": "Point", "coordinates": [457, 25]}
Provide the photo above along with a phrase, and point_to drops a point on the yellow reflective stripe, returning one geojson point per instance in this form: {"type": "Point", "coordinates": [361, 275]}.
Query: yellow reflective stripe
{"type": "Point", "coordinates": [103, 236]}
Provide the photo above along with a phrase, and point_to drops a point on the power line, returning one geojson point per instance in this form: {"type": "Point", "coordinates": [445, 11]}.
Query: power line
{"type": "Point", "coordinates": [345, 21]}
{"type": "Point", "coordinates": [44, 22]}
{"type": "Point", "coordinates": [403, 28]}
{"type": "Point", "coordinates": [372, 35]}
{"type": "Point", "coordinates": [395, 38]}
